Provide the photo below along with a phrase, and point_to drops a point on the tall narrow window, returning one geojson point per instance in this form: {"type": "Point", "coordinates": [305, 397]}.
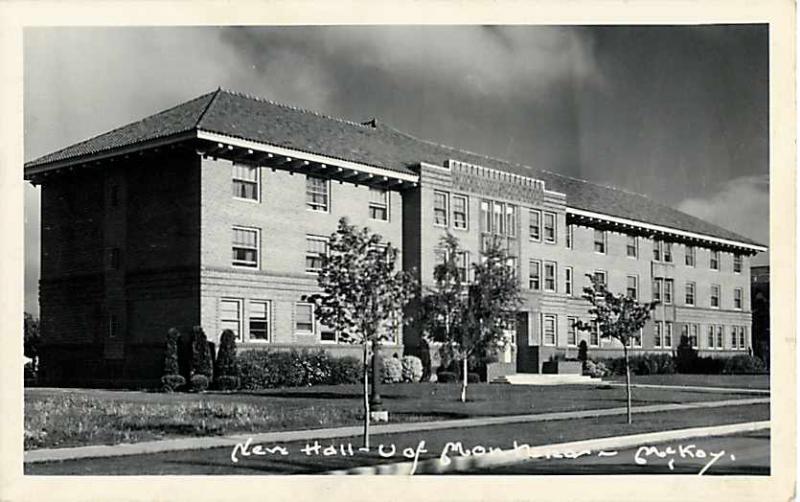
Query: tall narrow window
{"type": "Point", "coordinates": [572, 331]}
{"type": "Point", "coordinates": [259, 321]}
{"type": "Point", "coordinates": [568, 280]}
{"type": "Point", "coordinates": [599, 241]}
{"type": "Point", "coordinates": [668, 335]}
{"type": "Point", "coordinates": [658, 249]}
{"type": "Point", "coordinates": [734, 337]}
{"type": "Point", "coordinates": [632, 288]}
{"type": "Point", "coordinates": [245, 182]}
{"type": "Point", "coordinates": [549, 329]}
{"type": "Point", "coordinates": [535, 225]}
{"type": "Point", "coordinates": [534, 275]}
{"type": "Point", "coordinates": [486, 216]}
{"type": "Point", "coordinates": [668, 288]}
{"type": "Point", "coordinates": [713, 261]}
{"type": "Point", "coordinates": [113, 325]}
{"type": "Point", "coordinates": [304, 318]}
{"type": "Point", "coordinates": [245, 247]}
{"type": "Point", "coordinates": [594, 335]}
{"type": "Point", "coordinates": [440, 208]}
{"type": "Point", "coordinates": [600, 275]}
{"type": "Point", "coordinates": [635, 339]}
{"type": "Point", "coordinates": [230, 316]}
{"type": "Point", "coordinates": [568, 236]}
{"type": "Point", "coordinates": [462, 263]}
{"type": "Point", "coordinates": [714, 301]}
{"type": "Point", "coordinates": [632, 247]}
{"type": "Point", "coordinates": [550, 227]}
{"type": "Point", "coordinates": [668, 252]}
{"type": "Point", "coordinates": [316, 248]}
{"type": "Point", "coordinates": [658, 288]}
{"type": "Point", "coordinates": [742, 337]}
{"type": "Point", "coordinates": [497, 218]}
{"type": "Point", "coordinates": [720, 337]}
{"type": "Point", "coordinates": [460, 213]}
{"type": "Point", "coordinates": [737, 263]}
{"type": "Point", "coordinates": [317, 196]}
{"type": "Point", "coordinates": [712, 337]}
{"type": "Point", "coordinates": [690, 256]}
{"type": "Point", "coordinates": [550, 276]}
{"type": "Point", "coordinates": [379, 204]}
{"type": "Point", "coordinates": [689, 300]}
{"type": "Point", "coordinates": [737, 298]}
{"type": "Point", "coordinates": [693, 335]}
{"type": "Point", "coordinates": [511, 220]}
{"type": "Point", "coordinates": [658, 334]}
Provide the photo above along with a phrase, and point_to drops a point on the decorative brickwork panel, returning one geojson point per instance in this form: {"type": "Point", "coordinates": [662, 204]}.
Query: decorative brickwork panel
{"type": "Point", "coordinates": [476, 179]}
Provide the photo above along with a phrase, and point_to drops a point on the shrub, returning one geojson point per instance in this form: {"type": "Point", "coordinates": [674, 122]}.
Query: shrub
{"type": "Point", "coordinates": [685, 357]}
{"type": "Point", "coordinates": [171, 353]}
{"type": "Point", "coordinates": [652, 364]}
{"type": "Point", "coordinates": [594, 370]}
{"type": "Point", "coordinates": [345, 370]}
{"type": "Point", "coordinates": [473, 378]}
{"type": "Point", "coordinates": [171, 383]}
{"type": "Point", "coordinates": [392, 370]}
{"type": "Point", "coordinates": [446, 377]}
{"type": "Point", "coordinates": [199, 383]}
{"type": "Point", "coordinates": [201, 354]}
{"type": "Point", "coordinates": [412, 368]}
{"type": "Point", "coordinates": [226, 357]}
{"type": "Point", "coordinates": [227, 382]}
{"type": "Point", "coordinates": [583, 351]}
{"type": "Point", "coordinates": [743, 364]}
{"type": "Point", "coordinates": [316, 366]}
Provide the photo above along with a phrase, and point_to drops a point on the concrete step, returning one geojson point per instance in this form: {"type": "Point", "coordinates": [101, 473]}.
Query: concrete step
{"type": "Point", "coordinates": [545, 379]}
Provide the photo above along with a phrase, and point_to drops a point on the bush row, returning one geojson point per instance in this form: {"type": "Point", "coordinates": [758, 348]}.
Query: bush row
{"type": "Point", "coordinates": [266, 369]}
{"type": "Point", "coordinates": [665, 364]}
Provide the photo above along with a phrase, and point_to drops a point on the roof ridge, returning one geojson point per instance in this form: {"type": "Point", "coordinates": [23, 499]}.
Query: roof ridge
{"type": "Point", "coordinates": [208, 105]}
{"type": "Point", "coordinates": [293, 108]}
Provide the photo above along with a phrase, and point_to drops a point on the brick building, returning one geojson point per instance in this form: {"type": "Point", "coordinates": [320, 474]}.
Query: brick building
{"type": "Point", "coordinates": [214, 213]}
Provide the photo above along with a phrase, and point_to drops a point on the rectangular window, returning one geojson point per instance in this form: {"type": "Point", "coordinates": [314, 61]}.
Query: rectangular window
{"type": "Point", "coordinates": [486, 216]}
{"type": "Point", "coordinates": [658, 247]}
{"type": "Point", "coordinates": [714, 296]}
{"type": "Point", "coordinates": [737, 263]}
{"type": "Point", "coordinates": [462, 263]}
{"type": "Point", "coordinates": [568, 280]}
{"type": "Point", "coordinates": [317, 194]}
{"type": "Point", "coordinates": [742, 337]}
{"type": "Point", "coordinates": [568, 237]}
{"type": "Point", "coordinates": [632, 289]}
{"type": "Point", "coordinates": [304, 318]}
{"type": "Point", "coordinates": [599, 241]}
{"type": "Point", "coordinates": [693, 335]}
{"type": "Point", "coordinates": [460, 213]}
{"type": "Point", "coordinates": [572, 331]}
{"type": "Point", "coordinates": [550, 276]}
{"type": "Point", "coordinates": [316, 248]}
{"type": "Point", "coordinates": [245, 247]}
{"type": "Point", "coordinates": [658, 288]}
{"type": "Point", "coordinates": [497, 218]}
{"type": "Point", "coordinates": [668, 288]}
{"type": "Point", "coordinates": [668, 252]}
{"type": "Point", "coordinates": [440, 208]}
{"type": "Point", "coordinates": [737, 298]}
{"type": "Point", "coordinates": [735, 337]}
{"type": "Point", "coordinates": [601, 276]}
{"type": "Point", "coordinates": [658, 336]}
{"type": "Point", "coordinates": [534, 275]}
{"type": "Point", "coordinates": [690, 256]}
{"type": "Point", "coordinates": [714, 260]}
{"type": "Point", "coordinates": [230, 316]}
{"type": "Point", "coordinates": [245, 182]}
{"type": "Point", "coordinates": [379, 204]}
{"type": "Point", "coordinates": [720, 337]}
{"type": "Point", "coordinates": [113, 325]}
{"type": "Point", "coordinates": [689, 300]}
{"type": "Point", "coordinates": [259, 321]}
{"type": "Point", "coordinates": [711, 336]}
{"type": "Point", "coordinates": [327, 334]}
{"type": "Point", "coordinates": [511, 220]}
{"type": "Point", "coordinates": [511, 262]}
{"type": "Point", "coordinates": [632, 247]}
{"type": "Point", "coordinates": [594, 335]}
{"type": "Point", "coordinates": [550, 227]}
{"type": "Point", "coordinates": [535, 226]}
{"type": "Point", "coordinates": [668, 335]}
{"type": "Point", "coordinates": [549, 329]}
{"type": "Point", "coordinates": [635, 340]}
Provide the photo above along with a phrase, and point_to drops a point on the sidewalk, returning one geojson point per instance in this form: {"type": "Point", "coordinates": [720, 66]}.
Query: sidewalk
{"type": "Point", "coordinates": [724, 390]}
{"type": "Point", "coordinates": [197, 443]}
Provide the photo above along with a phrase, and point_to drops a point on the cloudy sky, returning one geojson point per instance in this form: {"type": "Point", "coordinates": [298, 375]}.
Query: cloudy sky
{"type": "Point", "coordinates": [679, 114]}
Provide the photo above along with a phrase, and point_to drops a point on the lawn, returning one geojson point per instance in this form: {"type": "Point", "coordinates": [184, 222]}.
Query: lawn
{"type": "Point", "coordinates": [218, 460]}
{"type": "Point", "coordinates": [61, 418]}
{"type": "Point", "coordinates": [727, 381]}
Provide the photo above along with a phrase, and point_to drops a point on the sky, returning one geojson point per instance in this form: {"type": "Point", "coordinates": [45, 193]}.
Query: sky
{"type": "Point", "coordinates": [676, 113]}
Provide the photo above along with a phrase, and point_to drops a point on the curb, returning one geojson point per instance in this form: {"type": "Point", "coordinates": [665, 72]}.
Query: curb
{"type": "Point", "coordinates": [202, 443]}
{"type": "Point", "coordinates": [722, 390]}
{"type": "Point", "coordinates": [445, 465]}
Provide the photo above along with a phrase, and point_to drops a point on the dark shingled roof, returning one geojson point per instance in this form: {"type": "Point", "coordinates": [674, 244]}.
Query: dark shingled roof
{"type": "Point", "coordinates": [371, 143]}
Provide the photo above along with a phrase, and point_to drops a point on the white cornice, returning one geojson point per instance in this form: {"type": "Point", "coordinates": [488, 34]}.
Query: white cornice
{"type": "Point", "coordinates": [660, 228]}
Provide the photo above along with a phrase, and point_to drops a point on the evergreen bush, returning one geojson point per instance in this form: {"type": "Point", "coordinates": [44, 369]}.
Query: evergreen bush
{"type": "Point", "coordinates": [412, 368]}
{"type": "Point", "coordinates": [392, 370]}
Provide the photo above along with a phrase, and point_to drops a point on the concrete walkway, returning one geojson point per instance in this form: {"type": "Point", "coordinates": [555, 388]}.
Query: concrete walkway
{"type": "Point", "coordinates": [724, 390]}
{"type": "Point", "coordinates": [198, 443]}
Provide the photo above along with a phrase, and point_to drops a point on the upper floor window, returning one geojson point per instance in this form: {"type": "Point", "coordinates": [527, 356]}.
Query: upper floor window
{"type": "Point", "coordinates": [690, 256]}
{"type": "Point", "coordinates": [737, 263]}
{"type": "Point", "coordinates": [568, 280]}
{"type": "Point", "coordinates": [714, 300]}
{"type": "Point", "coordinates": [690, 287]}
{"type": "Point", "coordinates": [658, 288]}
{"type": "Point", "coordinates": [668, 334]}
{"type": "Point", "coordinates": [599, 241]}
{"type": "Point", "coordinates": [632, 247]}
{"type": "Point", "coordinates": [658, 334]}
{"type": "Point", "coordinates": [550, 276]}
{"type": "Point", "coordinates": [498, 221]}
{"type": "Point", "coordinates": [668, 287]}
{"type": "Point", "coordinates": [230, 316]}
{"type": "Point", "coordinates": [245, 247]}
{"type": "Point", "coordinates": [632, 289]}
{"type": "Point", "coordinates": [535, 226]}
{"type": "Point", "coordinates": [460, 212]}
{"type": "Point", "coordinates": [245, 182]}
{"type": "Point", "coordinates": [568, 237]}
{"type": "Point", "coordinates": [668, 252]}
{"type": "Point", "coordinates": [550, 227]}
{"type": "Point", "coordinates": [440, 208]}
{"type": "Point", "coordinates": [534, 274]}
{"type": "Point", "coordinates": [658, 250]}
{"type": "Point", "coordinates": [600, 275]}
{"type": "Point", "coordinates": [486, 215]}
{"type": "Point", "coordinates": [379, 204]}
{"type": "Point", "coordinates": [316, 248]}
{"type": "Point", "coordinates": [549, 329]}
{"type": "Point", "coordinates": [462, 264]}
{"type": "Point", "coordinates": [317, 194]}
{"type": "Point", "coordinates": [258, 328]}
{"type": "Point", "coordinates": [511, 220]}
{"type": "Point", "coordinates": [737, 298]}
{"type": "Point", "coordinates": [713, 261]}
{"type": "Point", "coordinates": [304, 318]}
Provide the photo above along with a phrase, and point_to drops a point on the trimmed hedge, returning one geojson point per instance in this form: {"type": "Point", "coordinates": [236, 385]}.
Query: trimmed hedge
{"type": "Point", "coordinates": [744, 364]}
{"type": "Point", "coordinates": [446, 377]}
{"type": "Point", "coordinates": [171, 383]}
{"type": "Point", "coordinates": [266, 369]}
{"type": "Point", "coordinates": [412, 368]}
{"type": "Point", "coordinates": [392, 370]}
{"type": "Point", "coordinates": [198, 383]}
{"type": "Point", "coordinates": [687, 362]}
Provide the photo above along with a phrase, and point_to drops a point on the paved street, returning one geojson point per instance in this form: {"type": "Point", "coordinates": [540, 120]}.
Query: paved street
{"type": "Point", "coordinates": [740, 454]}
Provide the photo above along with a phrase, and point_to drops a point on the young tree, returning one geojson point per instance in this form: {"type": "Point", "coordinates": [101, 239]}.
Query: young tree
{"type": "Point", "coordinates": [362, 292]}
{"type": "Point", "coordinates": [616, 316]}
{"type": "Point", "coordinates": [471, 320]}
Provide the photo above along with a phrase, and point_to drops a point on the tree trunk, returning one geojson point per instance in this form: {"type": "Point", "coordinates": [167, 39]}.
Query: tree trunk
{"type": "Point", "coordinates": [627, 382]}
{"type": "Point", "coordinates": [366, 394]}
{"type": "Point", "coordinates": [464, 382]}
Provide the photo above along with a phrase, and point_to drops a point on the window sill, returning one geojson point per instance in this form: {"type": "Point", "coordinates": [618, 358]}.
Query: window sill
{"type": "Point", "coordinates": [252, 201]}
{"type": "Point", "coordinates": [245, 267]}
{"type": "Point", "coordinates": [324, 211]}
